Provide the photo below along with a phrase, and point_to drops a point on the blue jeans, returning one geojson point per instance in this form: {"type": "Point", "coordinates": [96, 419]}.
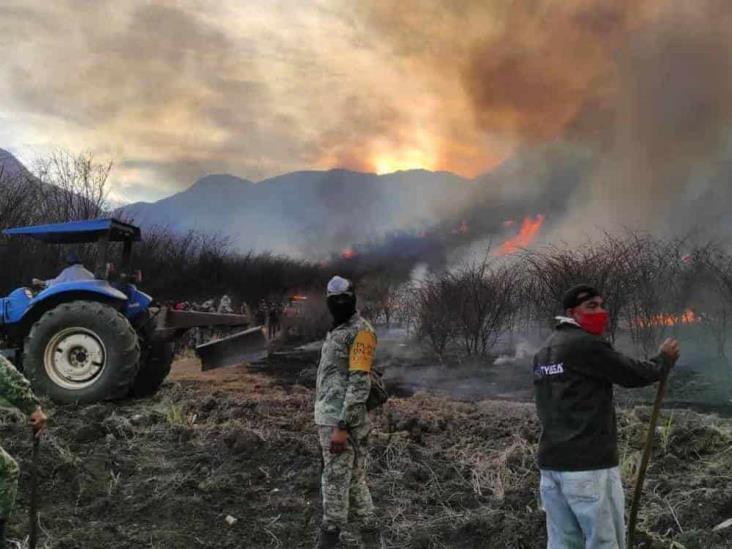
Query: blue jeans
{"type": "Point", "coordinates": [584, 509]}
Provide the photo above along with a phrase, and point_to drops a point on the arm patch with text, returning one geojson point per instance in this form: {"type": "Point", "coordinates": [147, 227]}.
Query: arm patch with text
{"type": "Point", "coordinates": [361, 357]}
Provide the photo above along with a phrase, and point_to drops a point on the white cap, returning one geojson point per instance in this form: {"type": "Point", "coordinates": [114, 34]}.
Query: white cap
{"type": "Point", "coordinates": [339, 285]}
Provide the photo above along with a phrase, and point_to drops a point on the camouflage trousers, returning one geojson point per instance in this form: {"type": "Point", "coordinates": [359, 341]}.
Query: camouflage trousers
{"type": "Point", "coordinates": [9, 473]}
{"type": "Point", "coordinates": [344, 490]}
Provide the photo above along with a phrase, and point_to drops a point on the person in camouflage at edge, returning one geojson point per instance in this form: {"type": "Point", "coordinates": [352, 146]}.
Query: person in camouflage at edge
{"type": "Point", "coordinates": [14, 390]}
{"type": "Point", "coordinates": [342, 388]}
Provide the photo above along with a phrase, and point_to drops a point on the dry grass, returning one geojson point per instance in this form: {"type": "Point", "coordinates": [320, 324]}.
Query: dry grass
{"type": "Point", "coordinates": [443, 473]}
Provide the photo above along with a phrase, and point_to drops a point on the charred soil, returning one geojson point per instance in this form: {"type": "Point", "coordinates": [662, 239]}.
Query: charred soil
{"type": "Point", "coordinates": [167, 471]}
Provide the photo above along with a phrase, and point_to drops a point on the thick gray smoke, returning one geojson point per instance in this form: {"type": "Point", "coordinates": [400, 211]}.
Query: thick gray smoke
{"type": "Point", "coordinates": [635, 94]}
{"type": "Point", "coordinates": [593, 113]}
{"type": "Point", "coordinates": [667, 167]}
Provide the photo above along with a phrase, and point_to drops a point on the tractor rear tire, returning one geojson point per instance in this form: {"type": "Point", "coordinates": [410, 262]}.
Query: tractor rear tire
{"type": "Point", "coordinates": [154, 368]}
{"type": "Point", "coordinates": [80, 352]}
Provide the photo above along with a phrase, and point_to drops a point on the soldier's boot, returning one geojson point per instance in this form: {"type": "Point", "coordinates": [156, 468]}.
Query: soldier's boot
{"type": "Point", "coordinates": [328, 538]}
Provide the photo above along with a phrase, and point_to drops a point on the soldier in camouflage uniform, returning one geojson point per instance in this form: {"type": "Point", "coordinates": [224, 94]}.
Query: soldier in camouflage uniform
{"type": "Point", "coordinates": [14, 390]}
{"type": "Point", "coordinates": [343, 385]}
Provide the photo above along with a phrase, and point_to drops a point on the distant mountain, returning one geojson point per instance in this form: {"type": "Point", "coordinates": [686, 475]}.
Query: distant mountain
{"type": "Point", "coordinates": [308, 213]}
{"type": "Point", "coordinates": [11, 167]}
{"type": "Point", "coordinates": [315, 213]}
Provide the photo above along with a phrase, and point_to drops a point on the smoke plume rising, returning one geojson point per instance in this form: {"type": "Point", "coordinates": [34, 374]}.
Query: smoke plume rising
{"type": "Point", "coordinates": [644, 86]}
{"type": "Point", "coordinates": [593, 113]}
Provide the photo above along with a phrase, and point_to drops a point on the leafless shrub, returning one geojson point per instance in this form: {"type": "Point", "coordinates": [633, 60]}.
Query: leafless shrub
{"type": "Point", "coordinates": [551, 271]}
{"type": "Point", "coordinates": [379, 293]}
{"type": "Point", "coordinates": [469, 307]}
{"type": "Point", "coordinates": [435, 313]}
{"type": "Point", "coordinates": [712, 273]}
{"type": "Point", "coordinates": [406, 309]}
{"type": "Point", "coordinates": [655, 288]}
{"type": "Point", "coordinates": [650, 284]}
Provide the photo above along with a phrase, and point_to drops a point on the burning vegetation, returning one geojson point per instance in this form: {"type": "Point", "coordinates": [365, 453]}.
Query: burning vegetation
{"type": "Point", "coordinates": [527, 234]}
{"type": "Point", "coordinates": [687, 317]}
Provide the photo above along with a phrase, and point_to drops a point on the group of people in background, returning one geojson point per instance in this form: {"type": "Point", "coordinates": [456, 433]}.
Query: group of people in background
{"type": "Point", "coordinates": [269, 313]}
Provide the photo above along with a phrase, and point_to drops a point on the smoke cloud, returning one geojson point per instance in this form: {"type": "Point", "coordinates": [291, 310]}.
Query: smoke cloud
{"type": "Point", "coordinates": [589, 112]}
{"type": "Point", "coordinates": [672, 122]}
{"type": "Point", "coordinates": [643, 87]}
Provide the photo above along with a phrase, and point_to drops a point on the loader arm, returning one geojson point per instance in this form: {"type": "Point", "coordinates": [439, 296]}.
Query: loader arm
{"type": "Point", "coordinates": [196, 319]}
{"type": "Point", "coordinates": [243, 346]}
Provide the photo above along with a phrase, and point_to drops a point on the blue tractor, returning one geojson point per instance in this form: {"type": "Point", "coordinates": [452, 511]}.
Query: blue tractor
{"type": "Point", "coordinates": [101, 338]}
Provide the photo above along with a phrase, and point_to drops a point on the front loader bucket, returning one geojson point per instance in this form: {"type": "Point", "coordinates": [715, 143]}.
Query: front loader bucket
{"type": "Point", "coordinates": [245, 346]}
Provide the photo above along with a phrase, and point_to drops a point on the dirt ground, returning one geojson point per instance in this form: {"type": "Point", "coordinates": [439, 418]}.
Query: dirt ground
{"type": "Point", "coordinates": [166, 472]}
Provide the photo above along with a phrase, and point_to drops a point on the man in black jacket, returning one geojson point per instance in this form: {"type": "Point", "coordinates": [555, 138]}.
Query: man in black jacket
{"type": "Point", "coordinates": [574, 373]}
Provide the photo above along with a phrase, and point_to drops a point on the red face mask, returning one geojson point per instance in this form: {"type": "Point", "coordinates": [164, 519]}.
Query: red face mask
{"type": "Point", "coordinates": [595, 323]}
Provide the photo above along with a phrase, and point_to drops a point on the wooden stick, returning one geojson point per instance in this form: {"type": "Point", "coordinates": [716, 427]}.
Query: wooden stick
{"type": "Point", "coordinates": [34, 494]}
{"type": "Point", "coordinates": [648, 448]}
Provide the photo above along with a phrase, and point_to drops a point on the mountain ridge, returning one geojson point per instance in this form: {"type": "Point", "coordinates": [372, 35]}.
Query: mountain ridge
{"type": "Point", "coordinates": [307, 211]}
{"type": "Point", "coordinates": [315, 213]}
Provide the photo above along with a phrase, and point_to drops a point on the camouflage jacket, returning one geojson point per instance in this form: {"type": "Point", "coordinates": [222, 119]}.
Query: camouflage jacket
{"type": "Point", "coordinates": [344, 373]}
{"type": "Point", "coordinates": [15, 389]}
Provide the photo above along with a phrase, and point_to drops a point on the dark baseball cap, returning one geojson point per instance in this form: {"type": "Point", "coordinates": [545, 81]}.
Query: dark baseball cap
{"type": "Point", "coordinates": [577, 295]}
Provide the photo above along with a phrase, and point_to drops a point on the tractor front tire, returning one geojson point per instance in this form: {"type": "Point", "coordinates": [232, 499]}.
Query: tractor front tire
{"type": "Point", "coordinates": [80, 352]}
{"type": "Point", "coordinates": [154, 368]}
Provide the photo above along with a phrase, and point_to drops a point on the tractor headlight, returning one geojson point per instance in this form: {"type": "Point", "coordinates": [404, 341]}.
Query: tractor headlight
{"type": "Point", "coordinates": [28, 293]}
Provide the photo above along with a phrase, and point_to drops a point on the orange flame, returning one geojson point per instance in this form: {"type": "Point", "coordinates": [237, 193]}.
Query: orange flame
{"type": "Point", "coordinates": [687, 317]}
{"type": "Point", "coordinates": [299, 297]}
{"type": "Point", "coordinates": [529, 229]}
{"type": "Point", "coordinates": [348, 253]}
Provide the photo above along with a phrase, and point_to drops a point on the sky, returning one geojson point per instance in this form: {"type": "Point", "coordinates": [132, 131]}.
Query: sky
{"type": "Point", "coordinates": [171, 91]}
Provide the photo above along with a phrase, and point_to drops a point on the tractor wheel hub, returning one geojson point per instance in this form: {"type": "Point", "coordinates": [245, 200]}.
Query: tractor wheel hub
{"type": "Point", "coordinates": [75, 357]}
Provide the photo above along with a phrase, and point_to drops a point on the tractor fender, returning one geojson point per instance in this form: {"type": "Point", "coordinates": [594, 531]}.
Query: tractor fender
{"type": "Point", "coordinates": [101, 287]}
{"type": "Point", "coordinates": [87, 290]}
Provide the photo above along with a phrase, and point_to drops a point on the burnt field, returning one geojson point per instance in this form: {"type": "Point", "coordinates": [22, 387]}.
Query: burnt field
{"type": "Point", "coordinates": [168, 471]}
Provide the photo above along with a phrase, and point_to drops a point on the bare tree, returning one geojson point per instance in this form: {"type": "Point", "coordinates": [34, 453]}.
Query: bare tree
{"type": "Point", "coordinates": [72, 186]}
{"type": "Point", "coordinates": [17, 204]}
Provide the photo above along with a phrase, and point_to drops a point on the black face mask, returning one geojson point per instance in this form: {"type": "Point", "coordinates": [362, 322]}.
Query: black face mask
{"type": "Point", "coordinates": [342, 308]}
